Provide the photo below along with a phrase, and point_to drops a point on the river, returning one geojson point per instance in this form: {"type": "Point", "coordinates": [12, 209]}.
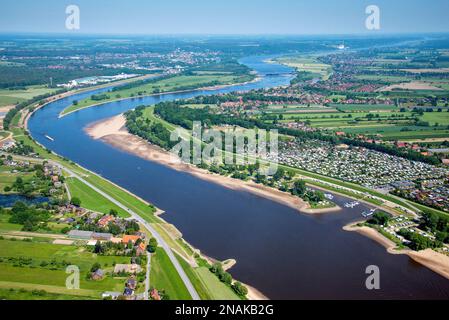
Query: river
{"type": "Point", "coordinates": [284, 254]}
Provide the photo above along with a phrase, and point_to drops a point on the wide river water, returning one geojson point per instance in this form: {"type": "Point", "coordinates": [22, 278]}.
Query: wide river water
{"type": "Point", "coordinates": [284, 254]}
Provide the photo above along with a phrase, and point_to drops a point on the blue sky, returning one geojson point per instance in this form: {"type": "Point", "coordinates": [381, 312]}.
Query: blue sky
{"type": "Point", "coordinates": [225, 17]}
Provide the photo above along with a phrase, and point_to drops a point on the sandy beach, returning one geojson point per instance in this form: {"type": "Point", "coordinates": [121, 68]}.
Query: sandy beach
{"type": "Point", "coordinates": [435, 261]}
{"type": "Point", "coordinates": [254, 294]}
{"type": "Point", "coordinates": [113, 132]}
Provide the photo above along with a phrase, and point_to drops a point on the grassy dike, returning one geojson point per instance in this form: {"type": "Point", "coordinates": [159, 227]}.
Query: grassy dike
{"type": "Point", "coordinates": [169, 280]}
{"type": "Point", "coordinates": [92, 200]}
{"type": "Point", "coordinates": [142, 208]}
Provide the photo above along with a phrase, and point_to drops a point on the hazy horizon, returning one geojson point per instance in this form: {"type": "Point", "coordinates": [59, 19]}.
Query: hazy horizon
{"type": "Point", "coordinates": [201, 17]}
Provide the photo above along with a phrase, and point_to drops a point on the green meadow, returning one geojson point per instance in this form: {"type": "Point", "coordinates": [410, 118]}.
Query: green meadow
{"type": "Point", "coordinates": [208, 286]}
{"type": "Point", "coordinates": [10, 97]}
{"type": "Point", "coordinates": [45, 268]}
{"type": "Point", "coordinates": [384, 120]}
{"type": "Point", "coordinates": [90, 199]}
{"type": "Point", "coordinates": [163, 275]}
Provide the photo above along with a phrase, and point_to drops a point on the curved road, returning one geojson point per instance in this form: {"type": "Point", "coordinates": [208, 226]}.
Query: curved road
{"type": "Point", "coordinates": [155, 234]}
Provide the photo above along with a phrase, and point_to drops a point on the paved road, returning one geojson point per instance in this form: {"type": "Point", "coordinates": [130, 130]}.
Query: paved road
{"type": "Point", "coordinates": [155, 234]}
{"type": "Point", "coordinates": [147, 278]}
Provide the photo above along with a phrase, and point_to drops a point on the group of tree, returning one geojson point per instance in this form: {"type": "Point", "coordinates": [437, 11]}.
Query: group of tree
{"type": "Point", "coordinates": [99, 97]}
{"type": "Point", "coordinates": [419, 242]}
{"type": "Point", "coordinates": [224, 276]}
{"type": "Point", "coordinates": [29, 216]}
{"type": "Point", "coordinates": [301, 190]}
{"type": "Point", "coordinates": [38, 185]}
{"type": "Point", "coordinates": [13, 112]}
{"type": "Point", "coordinates": [152, 245]}
{"type": "Point", "coordinates": [438, 224]}
{"type": "Point", "coordinates": [175, 113]}
{"type": "Point", "coordinates": [22, 149]}
{"type": "Point", "coordinates": [153, 132]}
{"type": "Point", "coordinates": [75, 201]}
{"type": "Point", "coordinates": [380, 218]}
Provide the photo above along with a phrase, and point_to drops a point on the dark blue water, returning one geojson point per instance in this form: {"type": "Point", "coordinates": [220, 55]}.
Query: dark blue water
{"type": "Point", "coordinates": [8, 200]}
{"type": "Point", "coordinates": [284, 254]}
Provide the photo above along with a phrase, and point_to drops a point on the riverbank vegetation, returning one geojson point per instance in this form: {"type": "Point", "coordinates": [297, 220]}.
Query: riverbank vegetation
{"type": "Point", "coordinates": [36, 101]}
{"type": "Point", "coordinates": [85, 197]}
{"type": "Point", "coordinates": [229, 110]}
{"type": "Point", "coordinates": [320, 105]}
{"type": "Point", "coordinates": [430, 231]}
{"type": "Point", "coordinates": [194, 78]}
{"type": "Point", "coordinates": [142, 123]}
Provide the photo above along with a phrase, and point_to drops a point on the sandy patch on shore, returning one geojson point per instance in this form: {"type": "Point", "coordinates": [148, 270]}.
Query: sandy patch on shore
{"type": "Point", "coordinates": [110, 126]}
{"type": "Point", "coordinates": [228, 264]}
{"type": "Point", "coordinates": [113, 132]}
{"type": "Point", "coordinates": [374, 235]}
{"type": "Point", "coordinates": [254, 294]}
{"type": "Point", "coordinates": [435, 261]}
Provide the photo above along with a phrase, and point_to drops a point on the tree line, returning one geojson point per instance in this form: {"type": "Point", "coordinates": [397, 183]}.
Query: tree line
{"type": "Point", "coordinates": [173, 112]}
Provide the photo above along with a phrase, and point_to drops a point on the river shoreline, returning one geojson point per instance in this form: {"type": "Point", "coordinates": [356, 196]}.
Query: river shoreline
{"type": "Point", "coordinates": [24, 121]}
{"type": "Point", "coordinates": [211, 88]}
{"type": "Point", "coordinates": [253, 293]}
{"type": "Point", "coordinates": [113, 132]}
{"type": "Point", "coordinates": [437, 262]}
{"type": "Point", "coordinates": [276, 292]}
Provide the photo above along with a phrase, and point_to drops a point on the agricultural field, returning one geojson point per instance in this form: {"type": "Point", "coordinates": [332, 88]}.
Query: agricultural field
{"type": "Point", "coordinates": [384, 121]}
{"type": "Point", "coordinates": [308, 65]}
{"type": "Point", "coordinates": [364, 107]}
{"type": "Point", "coordinates": [292, 109]}
{"type": "Point", "coordinates": [12, 96]}
{"type": "Point", "coordinates": [19, 292]}
{"type": "Point", "coordinates": [41, 266]}
{"type": "Point", "coordinates": [383, 78]}
{"type": "Point", "coordinates": [6, 226]}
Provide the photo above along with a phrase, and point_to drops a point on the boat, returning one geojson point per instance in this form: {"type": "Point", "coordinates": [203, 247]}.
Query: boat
{"type": "Point", "coordinates": [329, 196]}
{"type": "Point", "coordinates": [49, 138]}
{"type": "Point", "coordinates": [352, 204]}
{"type": "Point", "coordinates": [368, 214]}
